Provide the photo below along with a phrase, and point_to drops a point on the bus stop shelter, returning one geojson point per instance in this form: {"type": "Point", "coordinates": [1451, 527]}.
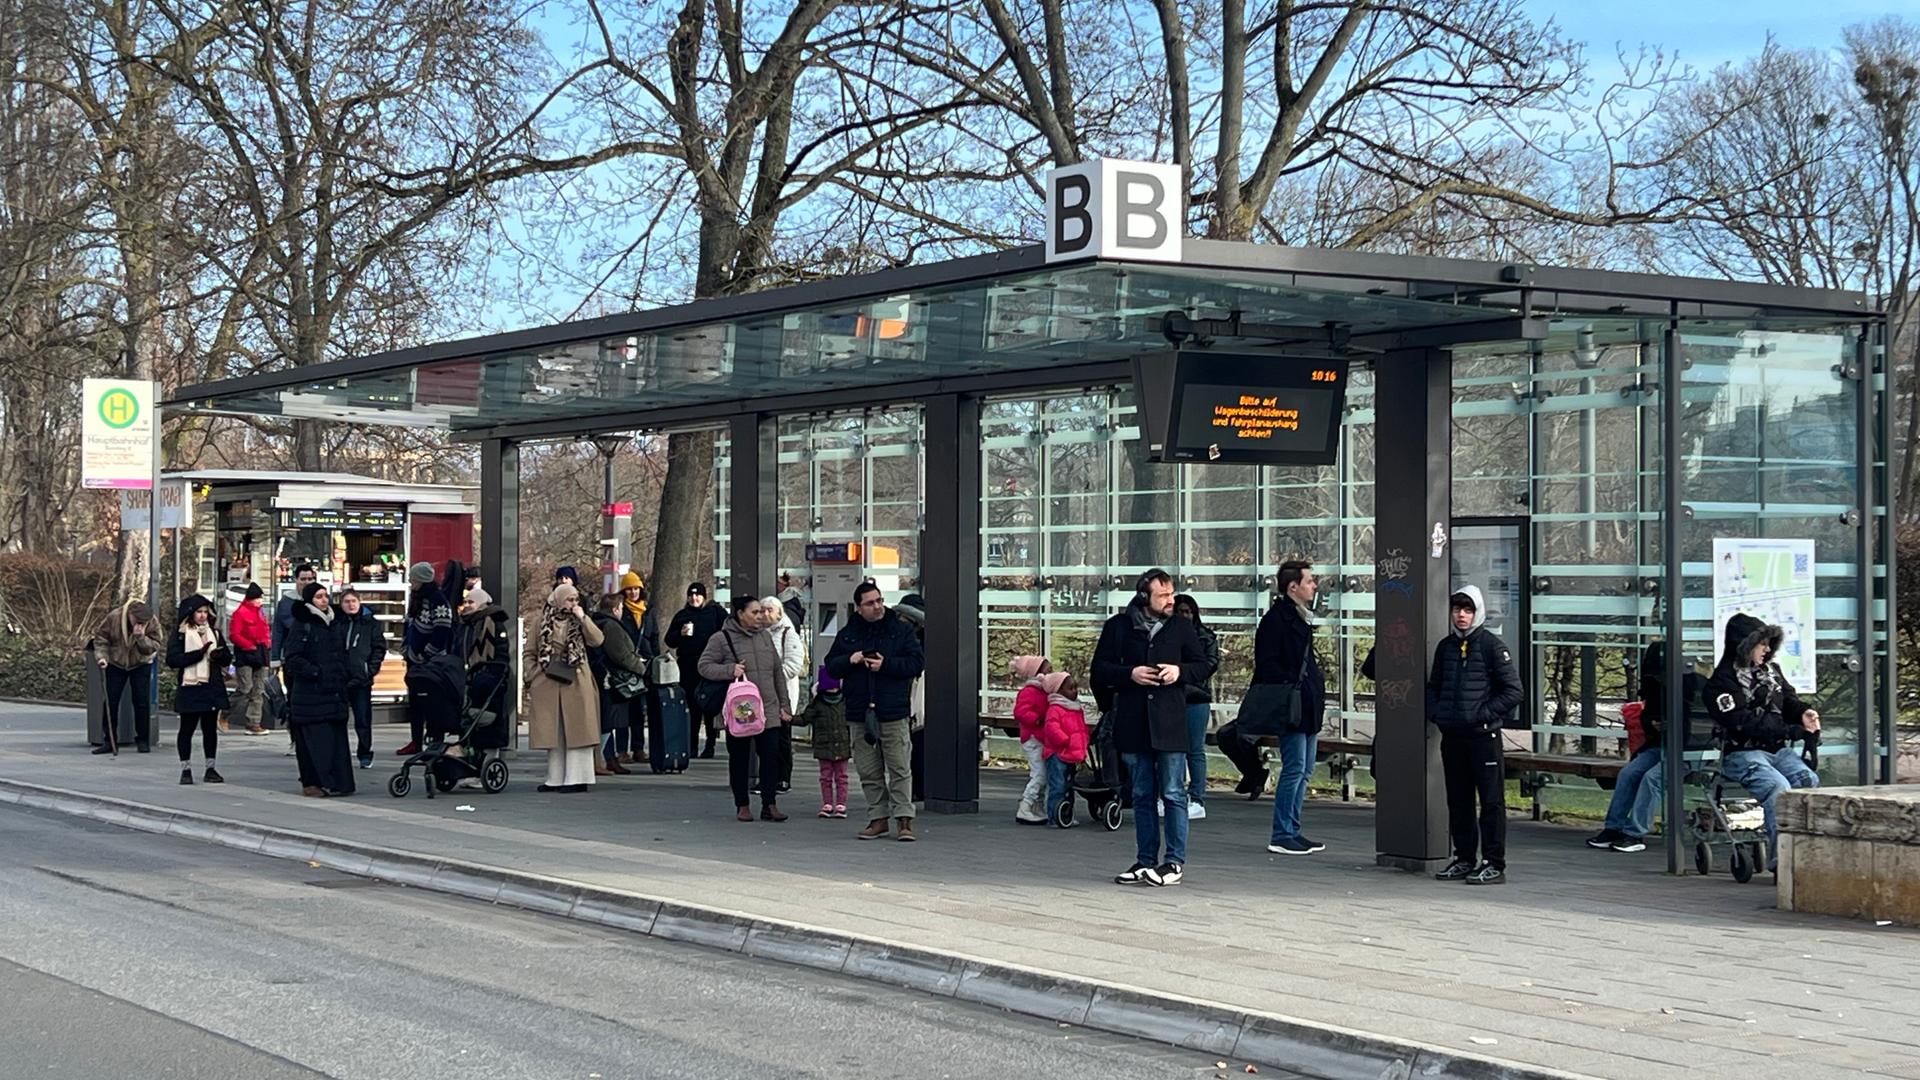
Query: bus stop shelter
{"type": "Point", "coordinates": [1574, 440]}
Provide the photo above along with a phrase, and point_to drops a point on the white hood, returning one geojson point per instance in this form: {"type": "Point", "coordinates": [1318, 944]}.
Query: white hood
{"type": "Point", "coordinates": [1471, 592]}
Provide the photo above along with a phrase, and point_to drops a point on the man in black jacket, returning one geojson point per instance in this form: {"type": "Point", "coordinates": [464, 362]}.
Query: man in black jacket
{"type": "Point", "coordinates": [687, 636]}
{"type": "Point", "coordinates": [1757, 714]}
{"type": "Point", "coordinates": [876, 657]}
{"type": "Point", "coordinates": [1283, 653]}
{"type": "Point", "coordinates": [1145, 659]}
{"type": "Point", "coordinates": [1474, 688]}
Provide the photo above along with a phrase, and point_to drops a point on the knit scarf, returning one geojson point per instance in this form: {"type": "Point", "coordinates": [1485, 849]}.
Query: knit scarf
{"type": "Point", "coordinates": [575, 645]}
{"type": "Point", "coordinates": [638, 608]}
{"type": "Point", "coordinates": [325, 614]}
{"type": "Point", "coordinates": [196, 638]}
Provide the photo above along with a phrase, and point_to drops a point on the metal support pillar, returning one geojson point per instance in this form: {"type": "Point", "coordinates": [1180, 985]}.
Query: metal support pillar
{"type": "Point", "coordinates": [500, 538]}
{"type": "Point", "coordinates": [1862, 380]}
{"type": "Point", "coordinates": [1414, 464]}
{"type": "Point", "coordinates": [753, 504]}
{"type": "Point", "coordinates": [1673, 524]}
{"type": "Point", "coordinates": [950, 569]}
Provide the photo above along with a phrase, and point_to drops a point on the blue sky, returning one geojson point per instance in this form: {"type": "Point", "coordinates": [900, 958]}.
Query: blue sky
{"type": "Point", "coordinates": [1708, 33]}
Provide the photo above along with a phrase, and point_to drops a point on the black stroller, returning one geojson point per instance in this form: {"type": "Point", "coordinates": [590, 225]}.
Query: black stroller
{"type": "Point", "coordinates": [445, 762]}
{"type": "Point", "coordinates": [1101, 780]}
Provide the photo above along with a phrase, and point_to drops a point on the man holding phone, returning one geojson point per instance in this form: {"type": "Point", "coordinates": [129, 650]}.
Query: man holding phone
{"type": "Point", "coordinates": [687, 636]}
{"type": "Point", "coordinates": [1144, 659]}
{"type": "Point", "coordinates": [876, 658]}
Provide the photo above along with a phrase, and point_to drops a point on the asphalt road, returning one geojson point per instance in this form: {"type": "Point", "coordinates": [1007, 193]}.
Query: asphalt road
{"type": "Point", "coordinates": [125, 954]}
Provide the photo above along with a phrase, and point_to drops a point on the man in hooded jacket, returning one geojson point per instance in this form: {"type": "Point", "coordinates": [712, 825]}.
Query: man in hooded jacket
{"type": "Point", "coordinates": [1473, 689]}
{"type": "Point", "coordinates": [1757, 714]}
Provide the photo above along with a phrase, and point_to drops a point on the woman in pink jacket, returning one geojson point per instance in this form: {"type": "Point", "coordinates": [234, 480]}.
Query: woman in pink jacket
{"type": "Point", "coordinates": [1063, 738]}
{"type": "Point", "coordinates": [1030, 711]}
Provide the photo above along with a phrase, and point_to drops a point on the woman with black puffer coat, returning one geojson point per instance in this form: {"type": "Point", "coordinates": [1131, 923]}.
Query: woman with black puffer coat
{"type": "Point", "coordinates": [199, 657]}
{"type": "Point", "coordinates": [314, 653]}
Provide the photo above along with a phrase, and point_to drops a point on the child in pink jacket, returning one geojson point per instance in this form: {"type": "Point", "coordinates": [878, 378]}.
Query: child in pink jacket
{"type": "Point", "coordinates": [1063, 738]}
{"type": "Point", "coordinates": [1030, 710]}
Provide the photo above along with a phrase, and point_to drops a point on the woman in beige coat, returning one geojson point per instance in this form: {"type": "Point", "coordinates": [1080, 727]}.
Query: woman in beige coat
{"type": "Point", "coordinates": [563, 705]}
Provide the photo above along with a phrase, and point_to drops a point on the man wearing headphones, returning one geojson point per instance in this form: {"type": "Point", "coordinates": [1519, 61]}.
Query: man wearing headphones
{"type": "Point", "coordinates": [1144, 660]}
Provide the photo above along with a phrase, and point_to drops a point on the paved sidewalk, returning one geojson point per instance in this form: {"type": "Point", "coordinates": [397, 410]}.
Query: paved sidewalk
{"type": "Point", "coordinates": [1588, 962]}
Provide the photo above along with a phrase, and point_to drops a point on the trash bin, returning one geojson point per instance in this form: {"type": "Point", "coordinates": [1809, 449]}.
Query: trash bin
{"type": "Point", "coordinates": [97, 703]}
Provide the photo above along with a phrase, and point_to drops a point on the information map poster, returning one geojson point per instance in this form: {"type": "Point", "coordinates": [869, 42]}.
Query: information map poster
{"type": "Point", "coordinates": [1771, 580]}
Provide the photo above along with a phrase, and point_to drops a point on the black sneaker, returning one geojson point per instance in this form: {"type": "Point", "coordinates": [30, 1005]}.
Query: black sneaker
{"type": "Point", "coordinates": [1630, 844]}
{"type": "Point", "coordinates": [1138, 874]}
{"type": "Point", "coordinates": [186, 777]}
{"type": "Point", "coordinates": [103, 748]}
{"type": "Point", "coordinates": [1488, 874]}
{"type": "Point", "coordinates": [1253, 786]}
{"type": "Point", "coordinates": [143, 748]}
{"type": "Point", "coordinates": [1292, 845]}
{"type": "Point", "coordinates": [1312, 844]}
{"type": "Point", "coordinates": [1457, 870]}
{"type": "Point", "coordinates": [1604, 839]}
{"type": "Point", "coordinates": [1169, 874]}
{"type": "Point", "coordinates": [213, 777]}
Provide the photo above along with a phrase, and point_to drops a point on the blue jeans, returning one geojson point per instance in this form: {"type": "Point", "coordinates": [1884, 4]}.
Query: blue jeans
{"type": "Point", "coordinates": [1059, 773]}
{"type": "Point", "coordinates": [1765, 775]}
{"type": "Point", "coordinates": [1298, 752]}
{"type": "Point", "coordinates": [1198, 718]}
{"type": "Point", "coordinates": [1159, 777]}
{"type": "Point", "coordinates": [1636, 795]}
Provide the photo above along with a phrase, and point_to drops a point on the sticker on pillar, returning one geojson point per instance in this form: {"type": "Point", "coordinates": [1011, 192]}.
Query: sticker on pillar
{"type": "Point", "coordinates": [1213, 452]}
{"type": "Point", "coordinates": [1439, 539]}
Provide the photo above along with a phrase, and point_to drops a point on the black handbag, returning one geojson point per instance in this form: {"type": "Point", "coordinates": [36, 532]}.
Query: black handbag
{"type": "Point", "coordinates": [710, 695]}
{"type": "Point", "coordinates": [624, 684]}
{"type": "Point", "coordinates": [1274, 708]}
{"type": "Point", "coordinates": [559, 671]}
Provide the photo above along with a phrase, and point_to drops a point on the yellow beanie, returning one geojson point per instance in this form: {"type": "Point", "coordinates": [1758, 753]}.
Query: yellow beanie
{"type": "Point", "coordinates": [631, 580]}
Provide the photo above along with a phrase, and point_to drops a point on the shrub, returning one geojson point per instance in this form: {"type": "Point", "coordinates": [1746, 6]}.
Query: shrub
{"type": "Point", "coordinates": [32, 666]}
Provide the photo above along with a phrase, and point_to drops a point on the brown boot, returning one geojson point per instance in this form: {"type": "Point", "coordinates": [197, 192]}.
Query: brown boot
{"type": "Point", "coordinates": [906, 830]}
{"type": "Point", "coordinates": [743, 814]}
{"type": "Point", "coordinates": [875, 830]}
{"type": "Point", "coordinates": [312, 792]}
{"type": "Point", "coordinates": [225, 725]}
{"type": "Point", "coordinates": [770, 812]}
{"type": "Point", "coordinates": [602, 770]}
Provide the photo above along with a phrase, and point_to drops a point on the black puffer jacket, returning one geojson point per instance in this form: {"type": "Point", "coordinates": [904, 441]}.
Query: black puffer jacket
{"type": "Point", "coordinates": [889, 690]}
{"type": "Point", "coordinates": [1147, 718]}
{"type": "Point", "coordinates": [1475, 685]}
{"type": "Point", "coordinates": [1764, 713]}
{"type": "Point", "coordinates": [315, 655]}
{"type": "Point", "coordinates": [364, 642]}
{"type": "Point", "coordinates": [1653, 695]}
{"type": "Point", "coordinates": [1201, 693]}
{"type": "Point", "coordinates": [1282, 642]}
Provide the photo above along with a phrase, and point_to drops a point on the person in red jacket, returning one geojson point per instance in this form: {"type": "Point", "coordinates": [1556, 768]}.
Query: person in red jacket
{"type": "Point", "coordinates": [251, 638]}
{"type": "Point", "coordinates": [1063, 738]}
{"type": "Point", "coordinates": [1030, 711]}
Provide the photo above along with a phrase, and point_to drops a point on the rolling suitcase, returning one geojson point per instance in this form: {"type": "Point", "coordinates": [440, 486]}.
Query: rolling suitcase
{"type": "Point", "coordinates": [668, 732]}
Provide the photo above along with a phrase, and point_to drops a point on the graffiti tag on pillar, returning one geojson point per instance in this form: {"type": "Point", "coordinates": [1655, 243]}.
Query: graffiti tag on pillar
{"type": "Point", "coordinates": [1396, 639]}
{"type": "Point", "coordinates": [1394, 694]}
{"type": "Point", "coordinates": [1393, 570]}
{"type": "Point", "coordinates": [1439, 539]}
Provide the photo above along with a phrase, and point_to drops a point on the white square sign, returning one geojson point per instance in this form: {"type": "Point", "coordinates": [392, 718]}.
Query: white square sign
{"type": "Point", "coordinates": [116, 434]}
{"type": "Point", "coordinates": [1111, 209]}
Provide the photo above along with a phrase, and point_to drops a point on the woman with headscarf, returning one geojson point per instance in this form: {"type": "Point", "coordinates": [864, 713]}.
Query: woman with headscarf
{"type": "Point", "coordinates": [484, 625]}
{"type": "Point", "coordinates": [563, 706]}
{"type": "Point", "coordinates": [428, 633]}
{"type": "Point", "coordinates": [793, 664]}
{"type": "Point", "coordinates": [198, 657]}
{"type": "Point", "coordinates": [314, 655]}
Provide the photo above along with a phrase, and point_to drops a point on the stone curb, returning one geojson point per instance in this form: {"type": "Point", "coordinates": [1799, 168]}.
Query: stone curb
{"type": "Point", "coordinates": [1206, 1027]}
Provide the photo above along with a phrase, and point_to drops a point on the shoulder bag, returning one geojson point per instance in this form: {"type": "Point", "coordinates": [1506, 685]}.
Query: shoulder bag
{"type": "Point", "coordinates": [1274, 708]}
{"type": "Point", "coordinates": [710, 695]}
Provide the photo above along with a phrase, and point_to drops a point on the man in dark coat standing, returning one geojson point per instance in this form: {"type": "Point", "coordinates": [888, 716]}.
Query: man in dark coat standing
{"type": "Point", "coordinates": [1145, 659]}
{"type": "Point", "coordinates": [1283, 653]}
{"type": "Point", "coordinates": [687, 636]}
{"type": "Point", "coordinates": [876, 657]}
{"type": "Point", "coordinates": [1472, 691]}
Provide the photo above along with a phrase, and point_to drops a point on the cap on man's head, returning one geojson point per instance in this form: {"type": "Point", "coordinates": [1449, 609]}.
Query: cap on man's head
{"type": "Point", "coordinates": [696, 589]}
{"type": "Point", "coordinates": [254, 591]}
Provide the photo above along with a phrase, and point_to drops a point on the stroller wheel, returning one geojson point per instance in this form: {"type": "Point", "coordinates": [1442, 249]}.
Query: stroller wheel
{"type": "Point", "coordinates": [1742, 866]}
{"type": "Point", "coordinates": [444, 784]}
{"type": "Point", "coordinates": [1757, 854]}
{"type": "Point", "coordinates": [1703, 858]}
{"type": "Point", "coordinates": [399, 784]}
{"type": "Point", "coordinates": [493, 776]}
{"type": "Point", "coordinates": [1110, 815]}
{"type": "Point", "coordinates": [1063, 816]}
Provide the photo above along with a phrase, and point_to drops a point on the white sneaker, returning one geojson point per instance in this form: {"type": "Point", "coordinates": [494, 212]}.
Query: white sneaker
{"type": "Point", "coordinates": [1196, 811]}
{"type": "Point", "coordinates": [1028, 815]}
{"type": "Point", "coordinates": [1160, 806]}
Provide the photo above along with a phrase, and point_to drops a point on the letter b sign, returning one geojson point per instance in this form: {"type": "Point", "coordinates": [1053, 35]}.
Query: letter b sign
{"type": "Point", "coordinates": [1108, 209]}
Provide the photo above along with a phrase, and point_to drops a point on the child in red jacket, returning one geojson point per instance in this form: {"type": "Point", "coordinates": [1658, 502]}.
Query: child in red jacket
{"type": "Point", "coordinates": [1063, 738]}
{"type": "Point", "coordinates": [1030, 710]}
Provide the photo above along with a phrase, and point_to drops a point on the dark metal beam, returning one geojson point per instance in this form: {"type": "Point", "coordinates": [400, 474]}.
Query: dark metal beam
{"type": "Point", "coordinates": [1889, 550]}
{"type": "Point", "coordinates": [500, 530]}
{"type": "Point", "coordinates": [1674, 525]}
{"type": "Point", "coordinates": [950, 569]}
{"type": "Point", "coordinates": [1861, 378]}
{"type": "Point", "coordinates": [753, 500]}
{"type": "Point", "coordinates": [1453, 335]}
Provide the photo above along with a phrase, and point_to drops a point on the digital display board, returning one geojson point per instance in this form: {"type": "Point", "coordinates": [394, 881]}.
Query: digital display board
{"type": "Point", "coordinates": [1241, 408]}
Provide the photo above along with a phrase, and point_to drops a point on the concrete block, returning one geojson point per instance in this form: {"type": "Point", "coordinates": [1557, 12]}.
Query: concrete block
{"type": "Point", "coordinates": [794, 945]}
{"type": "Point", "coordinates": [153, 821]}
{"type": "Point", "coordinates": [462, 881]}
{"type": "Point", "coordinates": [617, 911]}
{"type": "Point", "coordinates": [679, 922]}
{"type": "Point", "coordinates": [1320, 1050]}
{"type": "Point", "coordinates": [1783, 881]}
{"type": "Point", "coordinates": [412, 870]}
{"type": "Point", "coordinates": [1832, 875]}
{"type": "Point", "coordinates": [1032, 993]}
{"type": "Point", "coordinates": [534, 894]}
{"type": "Point", "coordinates": [1896, 883]}
{"type": "Point", "coordinates": [927, 972]}
{"type": "Point", "coordinates": [284, 845]}
{"type": "Point", "coordinates": [240, 837]}
{"type": "Point", "coordinates": [1193, 1025]}
{"type": "Point", "coordinates": [344, 859]}
{"type": "Point", "coordinates": [192, 828]}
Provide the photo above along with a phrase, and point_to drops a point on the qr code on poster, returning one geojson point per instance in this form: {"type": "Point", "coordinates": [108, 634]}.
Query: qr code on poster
{"type": "Point", "coordinates": [1800, 565]}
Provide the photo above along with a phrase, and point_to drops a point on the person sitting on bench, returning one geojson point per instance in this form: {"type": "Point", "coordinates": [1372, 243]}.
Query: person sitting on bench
{"type": "Point", "coordinates": [1757, 714]}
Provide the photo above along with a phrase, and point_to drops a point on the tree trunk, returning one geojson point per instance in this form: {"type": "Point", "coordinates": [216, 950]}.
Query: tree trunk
{"type": "Point", "coordinates": [683, 544]}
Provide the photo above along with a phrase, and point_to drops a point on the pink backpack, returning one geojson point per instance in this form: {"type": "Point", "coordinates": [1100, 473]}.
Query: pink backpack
{"type": "Point", "coordinates": [745, 713]}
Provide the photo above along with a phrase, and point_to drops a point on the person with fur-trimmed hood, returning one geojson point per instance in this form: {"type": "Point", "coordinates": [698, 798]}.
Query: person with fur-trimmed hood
{"type": "Point", "coordinates": [1757, 714]}
{"type": "Point", "coordinates": [1473, 690]}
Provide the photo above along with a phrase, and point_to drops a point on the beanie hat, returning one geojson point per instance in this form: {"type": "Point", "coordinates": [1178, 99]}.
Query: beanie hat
{"type": "Point", "coordinates": [139, 612]}
{"type": "Point", "coordinates": [828, 684]}
{"type": "Point", "coordinates": [313, 589]}
{"type": "Point", "coordinates": [566, 573]}
{"type": "Point", "coordinates": [696, 589]}
{"type": "Point", "coordinates": [479, 596]}
{"type": "Point", "coordinates": [631, 580]}
{"type": "Point", "coordinates": [1025, 668]}
{"type": "Point", "coordinates": [254, 592]}
{"type": "Point", "coordinates": [420, 573]}
{"type": "Point", "coordinates": [1052, 681]}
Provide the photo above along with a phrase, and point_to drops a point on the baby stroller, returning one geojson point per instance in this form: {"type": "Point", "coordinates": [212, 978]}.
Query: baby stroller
{"type": "Point", "coordinates": [1101, 780]}
{"type": "Point", "coordinates": [1731, 821]}
{"type": "Point", "coordinates": [445, 762]}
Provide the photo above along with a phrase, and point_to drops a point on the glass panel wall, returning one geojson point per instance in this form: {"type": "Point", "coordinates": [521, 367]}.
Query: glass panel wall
{"type": "Point", "coordinates": [853, 476]}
